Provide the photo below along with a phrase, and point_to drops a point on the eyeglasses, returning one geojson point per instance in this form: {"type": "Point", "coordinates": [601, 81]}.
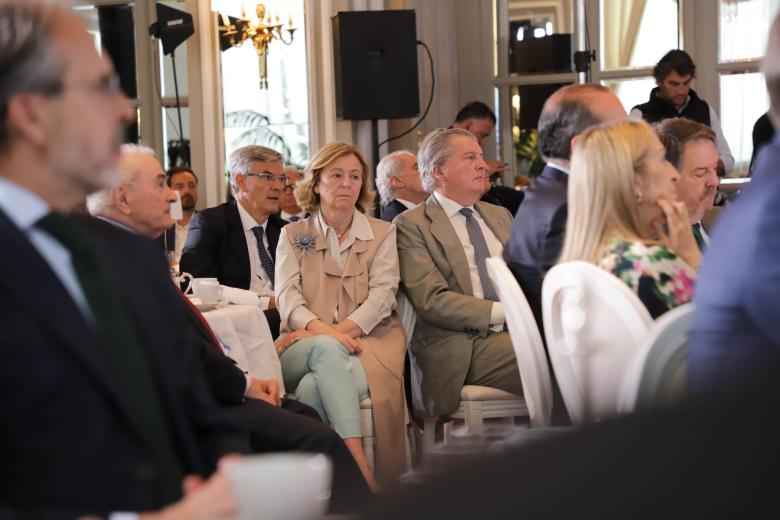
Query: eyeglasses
{"type": "Point", "coordinates": [107, 84]}
{"type": "Point", "coordinates": [268, 177]}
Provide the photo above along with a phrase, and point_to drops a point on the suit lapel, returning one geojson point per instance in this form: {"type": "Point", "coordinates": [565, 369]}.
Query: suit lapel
{"type": "Point", "coordinates": [497, 225]}
{"type": "Point", "coordinates": [442, 230]}
{"type": "Point", "coordinates": [237, 242]}
{"type": "Point", "coordinates": [36, 287]}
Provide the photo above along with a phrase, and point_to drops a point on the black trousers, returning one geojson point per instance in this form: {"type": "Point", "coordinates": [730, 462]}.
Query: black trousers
{"type": "Point", "coordinates": [297, 427]}
{"type": "Point", "coordinates": [274, 321]}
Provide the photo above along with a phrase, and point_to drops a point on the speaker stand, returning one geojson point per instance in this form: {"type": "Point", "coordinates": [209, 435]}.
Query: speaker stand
{"type": "Point", "coordinates": [375, 159]}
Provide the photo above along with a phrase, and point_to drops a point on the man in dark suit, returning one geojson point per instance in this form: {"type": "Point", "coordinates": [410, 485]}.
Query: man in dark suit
{"type": "Point", "coordinates": [104, 408]}
{"type": "Point", "coordinates": [735, 334]}
{"type": "Point", "coordinates": [398, 183]}
{"type": "Point", "coordinates": [538, 227]}
{"type": "Point", "coordinates": [235, 242]}
{"type": "Point", "coordinates": [274, 424]}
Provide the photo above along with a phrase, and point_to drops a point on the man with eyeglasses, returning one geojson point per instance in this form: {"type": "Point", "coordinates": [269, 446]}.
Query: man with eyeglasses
{"type": "Point", "coordinates": [235, 242]}
{"type": "Point", "coordinates": [103, 409]}
{"type": "Point", "coordinates": [290, 210]}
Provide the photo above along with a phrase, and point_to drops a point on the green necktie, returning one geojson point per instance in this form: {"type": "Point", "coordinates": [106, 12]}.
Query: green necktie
{"type": "Point", "coordinates": [699, 238]}
{"type": "Point", "coordinates": [123, 350]}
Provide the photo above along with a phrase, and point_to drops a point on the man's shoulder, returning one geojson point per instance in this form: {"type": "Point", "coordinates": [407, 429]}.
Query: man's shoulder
{"type": "Point", "coordinates": [549, 190]}
{"type": "Point", "coordinates": [416, 215]}
{"type": "Point", "coordinates": [493, 211]}
{"type": "Point", "coordinates": [276, 221]}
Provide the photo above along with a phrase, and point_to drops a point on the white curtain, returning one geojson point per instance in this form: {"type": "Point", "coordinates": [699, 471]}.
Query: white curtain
{"type": "Point", "coordinates": [621, 19]}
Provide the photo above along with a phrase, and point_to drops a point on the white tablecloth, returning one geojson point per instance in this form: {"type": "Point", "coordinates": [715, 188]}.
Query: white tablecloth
{"type": "Point", "coordinates": [246, 338]}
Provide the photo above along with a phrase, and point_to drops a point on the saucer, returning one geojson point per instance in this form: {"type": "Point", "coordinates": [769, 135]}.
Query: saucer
{"type": "Point", "coordinates": [206, 306]}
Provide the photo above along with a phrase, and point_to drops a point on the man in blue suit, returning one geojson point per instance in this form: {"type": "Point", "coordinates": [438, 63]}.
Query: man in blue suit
{"type": "Point", "coordinates": [537, 230]}
{"type": "Point", "coordinates": [735, 336]}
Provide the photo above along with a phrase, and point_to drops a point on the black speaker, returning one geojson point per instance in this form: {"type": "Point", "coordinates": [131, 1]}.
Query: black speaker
{"type": "Point", "coordinates": [546, 54]}
{"type": "Point", "coordinates": [375, 56]}
{"type": "Point", "coordinates": [532, 99]}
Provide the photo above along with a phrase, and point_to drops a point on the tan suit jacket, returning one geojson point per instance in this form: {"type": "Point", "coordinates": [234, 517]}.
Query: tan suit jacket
{"type": "Point", "coordinates": [435, 276]}
{"type": "Point", "coordinates": [324, 285]}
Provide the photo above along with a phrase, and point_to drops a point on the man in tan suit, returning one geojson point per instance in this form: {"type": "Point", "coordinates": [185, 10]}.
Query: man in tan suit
{"type": "Point", "coordinates": [459, 338]}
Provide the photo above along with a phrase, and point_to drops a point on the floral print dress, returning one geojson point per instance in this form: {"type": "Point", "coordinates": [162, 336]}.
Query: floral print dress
{"type": "Point", "coordinates": [661, 279]}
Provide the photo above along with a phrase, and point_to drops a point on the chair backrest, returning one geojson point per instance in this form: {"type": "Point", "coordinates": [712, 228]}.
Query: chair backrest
{"type": "Point", "coordinates": [408, 317]}
{"type": "Point", "coordinates": [594, 325]}
{"type": "Point", "coordinates": [657, 377]}
{"type": "Point", "coordinates": [527, 342]}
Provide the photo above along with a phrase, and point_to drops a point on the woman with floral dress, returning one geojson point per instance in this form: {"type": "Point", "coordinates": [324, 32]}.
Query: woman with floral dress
{"type": "Point", "coordinates": [624, 214]}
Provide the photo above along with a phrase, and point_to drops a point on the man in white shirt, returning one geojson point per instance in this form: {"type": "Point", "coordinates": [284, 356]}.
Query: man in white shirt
{"type": "Point", "coordinates": [107, 407]}
{"type": "Point", "coordinates": [183, 180]}
{"type": "Point", "coordinates": [235, 242]}
{"type": "Point", "coordinates": [398, 183]}
{"type": "Point", "coordinates": [459, 338]}
{"type": "Point", "coordinates": [690, 147]}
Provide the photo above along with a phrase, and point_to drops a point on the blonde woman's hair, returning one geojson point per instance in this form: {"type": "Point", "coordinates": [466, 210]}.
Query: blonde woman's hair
{"type": "Point", "coordinates": [602, 202]}
{"type": "Point", "coordinates": [308, 200]}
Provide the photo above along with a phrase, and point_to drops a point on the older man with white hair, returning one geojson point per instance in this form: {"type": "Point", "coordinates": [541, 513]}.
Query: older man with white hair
{"type": "Point", "coordinates": [398, 183]}
{"type": "Point", "coordinates": [459, 338]}
{"type": "Point", "coordinates": [141, 201]}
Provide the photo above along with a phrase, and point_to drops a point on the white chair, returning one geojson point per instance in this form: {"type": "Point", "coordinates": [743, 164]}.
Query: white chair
{"type": "Point", "coordinates": [477, 403]}
{"type": "Point", "coordinates": [657, 377]}
{"type": "Point", "coordinates": [595, 326]}
{"type": "Point", "coordinates": [527, 342]}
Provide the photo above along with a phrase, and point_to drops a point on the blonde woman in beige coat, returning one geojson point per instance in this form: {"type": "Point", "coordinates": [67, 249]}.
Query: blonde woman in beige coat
{"type": "Point", "coordinates": [336, 280]}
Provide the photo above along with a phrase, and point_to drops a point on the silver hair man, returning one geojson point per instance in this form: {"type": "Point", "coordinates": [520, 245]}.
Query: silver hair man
{"type": "Point", "coordinates": [391, 165]}
{"type": "Point", "coordinates": [435, 151]}
{"type": "Point", "coordinates": [242, 158]}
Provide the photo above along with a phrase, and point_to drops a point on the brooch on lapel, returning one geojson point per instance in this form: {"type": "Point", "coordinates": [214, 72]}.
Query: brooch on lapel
{"type": "Point", "coordinates": [303, 242]}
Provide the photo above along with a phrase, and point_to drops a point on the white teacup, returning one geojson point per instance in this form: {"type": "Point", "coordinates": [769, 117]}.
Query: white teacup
{"type": "Point", "coordinates": [207, 289]}
{"type": "Point", "coordinates": [281, 485]}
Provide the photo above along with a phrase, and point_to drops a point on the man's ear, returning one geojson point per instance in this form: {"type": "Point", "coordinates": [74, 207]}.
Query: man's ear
{"type": "Point", "coordinates": [120, 198]}
{"type": "Point", "coordinates": [27, 118]}
{"type": "Point", "coordinates": [573, 142]}
{"type": "Point", "coordinates": [397, 182]}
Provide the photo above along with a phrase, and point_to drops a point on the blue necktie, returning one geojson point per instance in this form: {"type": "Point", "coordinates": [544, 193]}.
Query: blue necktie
{"type": "Point", "coordinates": [481, 253]}
{"type": "Point", "coordinates": [265, 258]}
{"type": "Point", "coordinates": [295, 218]}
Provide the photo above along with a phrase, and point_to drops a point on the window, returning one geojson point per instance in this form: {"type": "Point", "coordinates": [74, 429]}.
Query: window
{"type": "Point", "coordinates": [276, 117]}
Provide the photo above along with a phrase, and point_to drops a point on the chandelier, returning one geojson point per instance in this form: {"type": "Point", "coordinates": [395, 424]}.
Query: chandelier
{"type": "Point", "coordinates": [261, 28]}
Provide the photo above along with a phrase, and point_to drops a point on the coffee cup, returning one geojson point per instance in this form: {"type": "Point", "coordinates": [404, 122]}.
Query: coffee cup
{"type": "Point", "coordinates": [281, 485]}
{"type": "Point", "coordinates": [207, 289]}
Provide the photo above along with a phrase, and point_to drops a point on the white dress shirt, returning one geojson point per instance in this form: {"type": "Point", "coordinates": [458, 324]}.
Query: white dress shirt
{"type": "Point", "coordinates": [458, 221]}
{"type": "Point", "coordinates": [259, 282]}
{"type": "Point", "coordinates": [181, 233]}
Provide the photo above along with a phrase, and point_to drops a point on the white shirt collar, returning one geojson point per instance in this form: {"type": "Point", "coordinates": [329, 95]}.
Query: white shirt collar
{"type": "Point", "coordinates": [118, 224]}
{"type": "Point", "coordinates": [360, 229]}
{"type": "Point", "coordinates": [22, 206]}
{"type": "Point", "coordinates": [449, 206]}
{"type": "Point", "coordinates": [409, 205]}
{"type": "Point", "coordinates": [247, 221]}
{"type": "Point", "coordinates": [558, 167]}
{"type": "Point", "coordinates": [286, 216]}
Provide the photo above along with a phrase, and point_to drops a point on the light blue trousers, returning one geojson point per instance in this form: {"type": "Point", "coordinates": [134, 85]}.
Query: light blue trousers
{"type": "Point", "coordinates": [326, 377]}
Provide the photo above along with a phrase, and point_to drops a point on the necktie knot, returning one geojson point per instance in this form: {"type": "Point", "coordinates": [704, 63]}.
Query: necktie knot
{"type": "Point", "coordinates": [466, 212]}
{"type": "Point", "coordinates": [295, 218]}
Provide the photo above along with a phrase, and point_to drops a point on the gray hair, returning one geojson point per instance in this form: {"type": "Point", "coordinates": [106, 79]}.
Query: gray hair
{"type": "Point", "coordinates": [388, 167]}
{"type": "Point", "coordinates": [29, 61]}
{"type": "Point", "coordinates": [100, 200]}
{"type": "Point", "coordinates": [435, 151]}
{"type": "Point", "coordinates": [241, 158]}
